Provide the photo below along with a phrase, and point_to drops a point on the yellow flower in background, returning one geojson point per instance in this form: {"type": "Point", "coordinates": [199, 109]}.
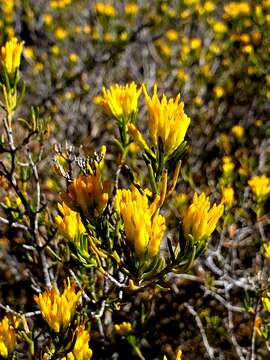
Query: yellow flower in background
{"type": "Point", "coordinates": [29, 53]}
{"type": "Point", "coordinates": [73, 57]}
{"type": "Point", "coordinates": [88, 193]}
{"type": "Point", "coordinates": [218, 91]}
{"type": "Point", "coordinates": [228, 196]}
{"type": "Point", "coordinates": [235, 9]}
{"type": "Point", "coordinates": [58, 309]}
{"type": "Point", "coordinates": [167, 121]}
{"type": "Point", "coordinates": [60, 33]}
{"type": "Point", "coordinates": [124, 328]}
{"type": "Point", "coordinates": [81, 349]}
{"type": "Point", "coordinates": [238, 131]}
{"type": "Point", "coordinates": [7, 338]}
{"type": "Point", "coordinates": [105, 9]}
{"type": "Point", "coordinates": [10, 56]}
{"type": "Point", "coordinates": [172, 35]}
{"type": "Point", "coordinates": [120, 101]}
{"type": "Point", "coordinates": [48, 19]}
{"type": "Point", "coordinates": [267, 250]}
{"type": "Point", "coordinates": [209, 6]}
{"type": "Point", "coordinates": [144, 227]}
{"type": "Point", "coordinates": [266, 304]}
{"type": "Point", "coordinates": [260, 186]}
{"type": "Point", "coordinates": [131, 9]}
{"type": "Point", "coordinates": [227, 166]}
{"type": "Point", "coordinates": [200, 219]}
{"type": "Point", "coordinates": [178, 356]}
{"type": "Point", "coordinates": [69, 222]}
{"type": "Point", "coordinates": [219, 27]}
{"type": "Point", "coordinates": [59, 4]}
{"type": "Point", "coordinates": [195, 43]}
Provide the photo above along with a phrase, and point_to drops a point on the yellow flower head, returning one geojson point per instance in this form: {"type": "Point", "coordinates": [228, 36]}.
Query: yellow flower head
{"type": "Point", "coordinates": [238, 131]}
{"type": "Point", "coordinates": [260, 186]}
{"type": "Point", "coordinates": [178, 356]}
{"type": "Point", "coordinates": [227, 166]}
{"type": "Point", "coordinates": [88, 193]}
{"type": "Point", "coordinates": [266, 304]}
{"type": "Point", "coordinates": [120, 101]}
{"type": "Point", "coordinates": [228, 196]}
{"type": "Point", "coordinates": [58, 309]}
{"type": "Point", "coordinates": [131, 9]}
{"type": "Point", "coordinates": [105, 9]}
{"type": "Point", "coordinates": [235, 9]}
{"type": "Point", "coordinates": [200, 220]}
{"type": "Point", "coordinates": [7, 338]}
{"type": "Point", "coordinates": [267, 250]}
{"type": "Point", "coordinates": [144, 227]}
{"type": "Point", "coordinates": [69, 224]}
{"type": "Point", "coordinates": [218, 91]}
{"type": "Point", "coordinates": [81, 350]}
{"type": "Point", "coordinates": [124, 328]}
{"type": "Point", "coordinates": [10, 56]}
{"type": "Point", "coordinates": [167, 121]}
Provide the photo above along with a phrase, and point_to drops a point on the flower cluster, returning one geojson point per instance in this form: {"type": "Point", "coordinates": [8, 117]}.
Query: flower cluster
{"type": "Point", "coordinates": [87, 193]}
{"type": "Point", "coordinates": [167, 121]}
{"type": "Point", "coordinates": [58, 309]}
{"type": "Point", "coordinates": [144, 226]}
{"type": "Point", "coordinates": [81, 349]}
{"type": "Point", "coordinates": [200, 219]}
{"type": "Point", "coordinates": [10, 56]}
{"type": "Point", "coordinates": [69, 224]}
{"type": "Point", "coordinates": [260, 186]}
{"type": "Point", "coordinates": [7, 338]}
{"type": "Point", "coordinates": [120, 102]}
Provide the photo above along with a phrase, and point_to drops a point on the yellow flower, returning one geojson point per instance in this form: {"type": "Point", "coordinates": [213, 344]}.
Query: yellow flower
{"type": "Point", "coordinates": [178, 356]}
{"type": "Point", "coordinates": [228, 196]}
{"type": "Point", "coordinates": [219, 27]}
{"type": "Point", "coordinates": [171, 35]}
{"type": "Point", "coordinates": [48, 19]}
{"type": "Point", "coordinates": [235, 9]}
{"type": "Point", "coordinates": [60, 33]}
{"type": "Point", "coordinates": [200, 220]}
{"type": "Point", "coordinates": [167, 121]}
{"type": "Point", "coordinates": [227, 166]}
{"type": "Point", "coordinates": [120, 101]}
{"type": "Point", "coordinates": [144, 227]}
{"type": "Point", "coordinates": [209, 6]}
{"type": "Point", "coordinates": [69, 224]}
{"type": "Point", "coordinates": [81, 350]}
{"type": "Point", "coordinates": [10, 56]}
{"type": "Point", "coordinates": [260, 186]}
{"type": "Point", "coordinates": [73, 57]}
{"type": "Point", "coordinates": [218, 91]}
{"type": "Point", "coordinates": [131, 9]}
{"type": "Point", "coordinates": [267, 250]}
{"type": "Point", "coordinates": [29, 52]}
{"type": "Point", "coordinates": [238, 131]}
{"type": "Point", "coordinates": [266, 304]}
{"type": "Point", "coordinates": [124, 328]}
{"type": "Point", "coordinates": [59, 4]}
{"type": "Point", "coordinates": [88, 193]}
{"type": "Point", "coordinates": [7, 338]}
{"type": "Point", "coordinates": [105, 9]}
{"type": "Point", "coordinates": [247, 49]}
{"type": "Point", "coordinates": [58, 309]}
{"type": "Point", "coordinates": [195, 43]}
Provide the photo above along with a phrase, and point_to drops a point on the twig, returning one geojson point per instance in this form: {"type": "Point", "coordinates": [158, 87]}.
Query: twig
{"type": "Point", "coordinates": [209, 349]}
